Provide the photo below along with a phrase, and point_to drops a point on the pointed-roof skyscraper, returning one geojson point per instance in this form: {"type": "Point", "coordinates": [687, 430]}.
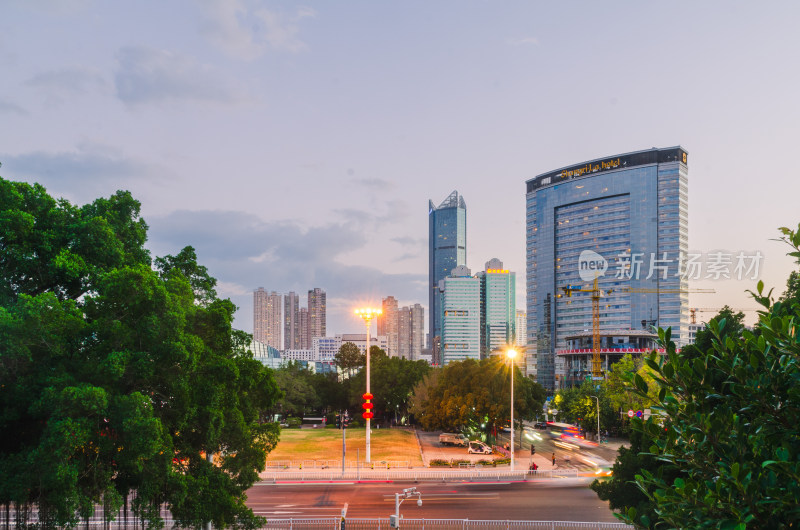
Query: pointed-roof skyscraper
{"type": "Point", "coordinates": [447, 249]}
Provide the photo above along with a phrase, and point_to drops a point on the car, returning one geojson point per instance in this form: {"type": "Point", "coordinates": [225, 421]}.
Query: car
{"type": "Point", "coordinates": [540, 425]}
{"type": "Point", "coordinates": [478, 447]}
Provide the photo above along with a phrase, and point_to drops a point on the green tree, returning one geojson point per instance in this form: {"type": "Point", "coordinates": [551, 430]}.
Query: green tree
{"type": "Point", "coordinates": [349, 358]}
{"type": "Point", "coordinates": [392, 380]}
{"type": "Point", "coordinates": [731, 420]}
{"type": "Point", "coordinates": [704, 340]}
{"type": "Point", "coordinates": [475, 395]}
{"type": "Point", "coordinates": [117, 377]}
{"type": "Point", "coordinates": [299, 389]}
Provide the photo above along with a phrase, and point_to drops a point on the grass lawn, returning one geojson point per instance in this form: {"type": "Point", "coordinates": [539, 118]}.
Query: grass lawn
{"type": "Point", "coordinates": [326, 444]}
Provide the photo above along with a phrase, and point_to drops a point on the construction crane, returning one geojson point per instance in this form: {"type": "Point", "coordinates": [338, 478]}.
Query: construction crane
{"type": "Point", "coordinates": [597, 370]}
{"type": "Point", "coordinates": [597, 293]}
{"type": "Point", "coordinates": [693, 311]}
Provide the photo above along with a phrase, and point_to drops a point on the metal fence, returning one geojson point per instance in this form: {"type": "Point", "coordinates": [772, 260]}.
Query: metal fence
{"type": "Point", "coordinates": [337, 464]}
{"type": "Point", "coordinates": [437, 524]}
{"type": "Point", "coordinates": [335, 523]}
{"type": "Point", "coordinates": [415, 475]}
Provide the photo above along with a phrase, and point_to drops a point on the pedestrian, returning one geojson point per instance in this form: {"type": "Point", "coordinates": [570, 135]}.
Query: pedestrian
{"type": "Point", "coordinates": [554, 459]}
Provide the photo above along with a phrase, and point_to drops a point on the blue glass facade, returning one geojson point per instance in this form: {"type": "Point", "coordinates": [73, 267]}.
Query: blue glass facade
{"type": "Point", "coordinates": [447, 249]}
{"type": "Point", "coordinates": [631, 210]}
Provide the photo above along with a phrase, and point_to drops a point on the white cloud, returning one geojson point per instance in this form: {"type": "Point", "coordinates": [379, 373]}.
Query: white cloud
{"type": "Point", "coordinates": [245, 30]}
{"type": "Point", "coordinates": [146, 75]}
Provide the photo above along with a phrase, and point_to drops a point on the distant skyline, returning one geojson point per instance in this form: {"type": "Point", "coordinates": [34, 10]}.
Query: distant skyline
{"type": "Point", "coordinates": [296, 145]}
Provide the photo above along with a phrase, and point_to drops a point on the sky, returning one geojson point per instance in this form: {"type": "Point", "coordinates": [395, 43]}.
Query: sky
{"type": "Point", "coordinates": [296, 145]}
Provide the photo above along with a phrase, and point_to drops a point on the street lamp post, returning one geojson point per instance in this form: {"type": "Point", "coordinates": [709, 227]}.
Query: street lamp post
{"type": "Point", "coordinates": [598, 417]}
{"type": "Point", "coordinates": [368, 313]}
{"type": "Point", "coordinates": [511, 354]}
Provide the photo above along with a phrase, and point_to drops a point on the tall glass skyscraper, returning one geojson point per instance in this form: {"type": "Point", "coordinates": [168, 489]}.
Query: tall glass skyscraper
{"type": "Point", "coordinates": [447, 249]}
{"type": "Point", "coordinates": [622, 219]}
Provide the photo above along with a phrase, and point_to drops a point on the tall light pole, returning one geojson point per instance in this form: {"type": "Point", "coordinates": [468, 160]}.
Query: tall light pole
{"type": "Point", "coordinates": [598, 417]}
{"type": "Point", "coordinates": [367, 313]}
{"type": "Point", "coordinates": [511, 354]}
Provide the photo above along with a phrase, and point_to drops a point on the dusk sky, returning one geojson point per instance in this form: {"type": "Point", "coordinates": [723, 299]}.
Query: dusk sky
{"type": "Point", "coordinates": [297, 145]}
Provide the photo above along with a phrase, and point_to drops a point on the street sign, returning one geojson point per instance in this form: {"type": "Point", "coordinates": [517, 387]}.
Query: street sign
{"type": "Point", "coordinates": [630, 414]}
{"type": "Point", "coordinates": [639, 414]}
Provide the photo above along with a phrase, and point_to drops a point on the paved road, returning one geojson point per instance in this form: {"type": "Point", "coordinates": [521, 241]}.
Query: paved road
{"type": "Point", "coordinates": [561, 500]}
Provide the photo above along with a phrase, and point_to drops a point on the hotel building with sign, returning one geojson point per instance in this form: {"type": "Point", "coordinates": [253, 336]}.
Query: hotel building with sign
{"type": "Point", "coordinates": [622, 219]}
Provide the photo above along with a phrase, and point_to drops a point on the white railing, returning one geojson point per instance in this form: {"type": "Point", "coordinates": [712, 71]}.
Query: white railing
{"type": "Point", "coordinates": [337, 464]}
{"type": "Point", "coordinates": [416, 475]}
{"type": "Point", "coordinates": [336, 523]}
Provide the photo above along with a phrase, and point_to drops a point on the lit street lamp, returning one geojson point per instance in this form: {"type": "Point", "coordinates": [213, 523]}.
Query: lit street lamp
{"type": "Point", "coordinates": [367, 313]}
{"type": "Point", "coordinates": [511, 354]}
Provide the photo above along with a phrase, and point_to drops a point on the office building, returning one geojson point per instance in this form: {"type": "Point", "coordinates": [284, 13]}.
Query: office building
{"type": "Point", "coordinates": [267, 318]}
{"type": "Point", "coordinates": [447, 249]}
{"type": "Point", "coordinates": [403, 333]}
{"type": "Point", "coordinates": [460, 304]}
{"type": "Point", "coordinates": [291, 321]}
{"type": "Point", "coordinates": [316, 313]}
{"type": "Point", "coordinates": [498, 308]}
{"type": "Point", "coordinates": [360, 340]}
{"type": "Point", "coordinates": [621, 219]}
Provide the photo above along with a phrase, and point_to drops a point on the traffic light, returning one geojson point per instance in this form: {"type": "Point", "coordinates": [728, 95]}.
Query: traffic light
{"type": "Point", "coordinates": [338, 421]}
{"type": "Point", "coordinates": [346, 420]}
{"type": "Point", "coordinates": [533, 450]}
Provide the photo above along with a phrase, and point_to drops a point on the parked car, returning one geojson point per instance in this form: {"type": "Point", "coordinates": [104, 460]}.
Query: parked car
{"type": "Point", "coordinates": [449, 438]}
{"type": "Point", "coordinates": [478, 447]}
{"type": "Point", "coordinates": [540, 425]}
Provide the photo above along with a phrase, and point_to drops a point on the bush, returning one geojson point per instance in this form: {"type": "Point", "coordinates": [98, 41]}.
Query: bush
{"type": "Point", "coordinates": [438, 462]}
{"type": "Point", "coordinates": [293, 422]}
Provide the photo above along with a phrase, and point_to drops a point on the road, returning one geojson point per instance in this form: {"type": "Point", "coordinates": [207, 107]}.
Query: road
{"type": "Point", "coordinates": [558, 500]}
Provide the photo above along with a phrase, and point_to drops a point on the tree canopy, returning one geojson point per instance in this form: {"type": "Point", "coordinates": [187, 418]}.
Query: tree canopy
{"type": "Point", "coordinates": [728, 424]}
{"type": "Point", "coordinates": [475, 395]}
{"type": "Point", "coordinates": [118, 377]}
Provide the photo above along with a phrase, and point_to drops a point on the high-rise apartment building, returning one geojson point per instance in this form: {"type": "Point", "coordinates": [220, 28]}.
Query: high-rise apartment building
{"type": "Point", "coordinates": [291, 322]}
{"type": "Point", "coordinates": [622, 219]}
{"type": "Point", "coordinates": [498, 307]}
{"type": "Point", "coordinates": [447, 249]}
{"type": "Point", "coordinates": [305, 340]}
{"type": "Point", "coordinates": [388, 325]}
{"type": "Point", "coordinates": [403, 333]}
{"type": "Point", "coordinates": [267, 317]}
{"type": "Point", "coordinates": [461, 316]}
{"type": "Point", "coordinates": [417, 318]}
{"type": "Point", "coordinates": [316, 314]}
{"type": "Point", "coordinates": [522, 329]}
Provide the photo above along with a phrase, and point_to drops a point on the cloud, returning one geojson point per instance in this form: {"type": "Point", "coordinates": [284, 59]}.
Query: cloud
{"type": "Point", "coordinates": [410, 241]}
{"type": "Point", "coordinates": [524, 41]}
{"type": "Point", "coordinates": [76, 80]}
{"type": "Point", "coordinates": [12, 108]}
{"type": "Point", "coordinates": [298, 258]}
{"type": "Point", "coordinates": [395, 211]}
{"type": "Point", "coordinates": [373, 184]}
{"type": "Point", "coordinates": [91, 169]}
{"type": "Point", "coordinates": [246, 32]}
{"type": "Point", "coordinates": [146, 75]}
